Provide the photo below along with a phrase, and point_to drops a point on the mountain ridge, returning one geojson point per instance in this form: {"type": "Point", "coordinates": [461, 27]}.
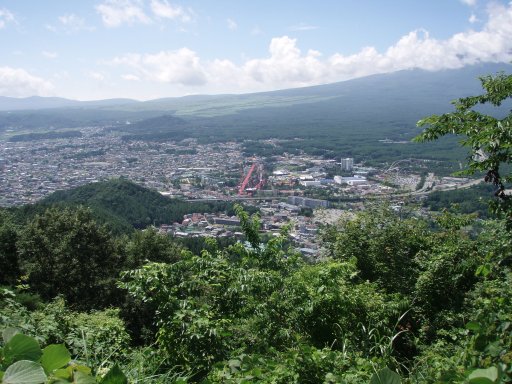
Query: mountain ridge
{"type": "Point", "coordinates": [175, 103]}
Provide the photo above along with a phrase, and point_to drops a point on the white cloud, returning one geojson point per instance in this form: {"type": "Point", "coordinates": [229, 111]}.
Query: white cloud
{"type": "Point", "coordinates": [473, 19]}
{"type": "Point", "coordinates": [163, 9]}
{"type": "Point", "coordinates": [175, 67]}
{"type": "Point", "coordinates": [17, 82]}
{"type": "Point", "coordinates": [116, 12]}
{"type": "Point", "coordinates": [286, 66]}
{"type": "Point", "coordinates": [69, 23]}
{"type": "Point", "coordinates": [6, 17]}
{"type": "Point", "coordinates": [49, 55]}
{"type": "Point", "coordinates": [232, 25]}
{"type": "Point", "coordinates": [470, 3]}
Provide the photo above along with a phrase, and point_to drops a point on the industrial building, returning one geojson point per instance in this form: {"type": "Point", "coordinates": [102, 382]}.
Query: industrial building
{"type": "Point", "coordinates": [307, 202]}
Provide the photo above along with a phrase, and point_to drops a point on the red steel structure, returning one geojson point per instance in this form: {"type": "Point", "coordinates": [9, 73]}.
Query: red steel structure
{"type": "Point", "coordinates": [246, 180]}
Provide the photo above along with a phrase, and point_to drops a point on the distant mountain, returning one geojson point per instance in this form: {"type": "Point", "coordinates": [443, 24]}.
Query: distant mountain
{"type": "Point", "coordinates": [37, 103]}
{"type": "Point", "coordinates": [412, 86]}
{"type": "Point", "coordinates": [121, 204]}
{"type": "Point", "coordinates": [450, 84]}
{"type": "Point", "coordinates": [371, 118]}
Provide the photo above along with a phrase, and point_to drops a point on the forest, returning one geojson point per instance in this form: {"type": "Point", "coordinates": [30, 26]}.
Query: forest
{"type": "Point", "coordinates": [396, 297]}
{"type": "Point", "coordinates": [122, 205]}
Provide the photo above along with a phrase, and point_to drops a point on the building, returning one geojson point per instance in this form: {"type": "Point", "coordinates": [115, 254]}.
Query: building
{"type": "Point", "coordinates": [347, 164]}
{"type": "Point", "coordinates": [231, 221]}
{"type": "Point", "coordinates": [307, 202]}
{"type": "Point", "coordinates": [310, 183]}
{"type": "Point", "coordinates": [352, 181]}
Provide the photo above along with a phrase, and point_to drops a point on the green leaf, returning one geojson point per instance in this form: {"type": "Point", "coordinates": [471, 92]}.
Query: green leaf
{"type": "Point", "coordinates": [63, 373]}
{"type": "Point", "coordinates": [484, 376]}
{"type": "Point", "coordinates": [473, 326]}
{"type": "Point", "coordinates": [22, 347]}
{"type": "Point", "coordinates": [83, 378]}
{"type": "Point", "coordinates": [385, 376]}
{"type": "Point", "coordinates": [24, 372]}
{"type": "Point", "coordinates": [114, 376]}
{"type": "Point", "coordinates": [80, 368]}
{"type": "Point", "coordinates": [55, 356]}
{"type": "Point", "coordinates": [8, 333]}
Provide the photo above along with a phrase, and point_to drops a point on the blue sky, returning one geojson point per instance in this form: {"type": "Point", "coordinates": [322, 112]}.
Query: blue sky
{"type": "Point", "coordinates": [146, 49]}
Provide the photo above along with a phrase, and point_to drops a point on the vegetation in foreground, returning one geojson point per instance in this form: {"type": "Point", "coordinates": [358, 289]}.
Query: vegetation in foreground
{"type": "Point", "coordinates": [397, 298]}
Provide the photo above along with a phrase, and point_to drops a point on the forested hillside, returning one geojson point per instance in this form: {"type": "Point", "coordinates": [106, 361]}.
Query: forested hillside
{"type": "Point", "coordinates": [122, 205]}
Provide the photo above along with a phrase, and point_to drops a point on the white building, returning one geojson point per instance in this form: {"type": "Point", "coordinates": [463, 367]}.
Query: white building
{"type": "Point", "coordinates": [352, 181]}
{"type": "Point", "coordinates": [347, 164]}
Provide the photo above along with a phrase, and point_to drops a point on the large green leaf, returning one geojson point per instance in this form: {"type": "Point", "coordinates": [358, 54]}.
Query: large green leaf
{"type": "Point", "coordinates": [385, 376]}
{"type": "Point", "coordinates": [114, 376]}
{"type": "Point", "coordinates": [8, 333]}
{"type": "Point", "coordinates": [55, 356]}
{"type": "Point", "coordinates": [484, 376]}
{"type": "Point", "coordinates": [24, 372]}
{"type": "Point", "coordinates": [21, 347]}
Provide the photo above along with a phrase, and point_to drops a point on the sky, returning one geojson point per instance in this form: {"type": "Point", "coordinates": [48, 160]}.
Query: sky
{"type": "Point", "coordinates": [147, 49]}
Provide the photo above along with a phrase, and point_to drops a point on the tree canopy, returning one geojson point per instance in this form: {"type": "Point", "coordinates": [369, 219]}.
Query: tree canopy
{"type": "Point", "coordinates": [488, 136]}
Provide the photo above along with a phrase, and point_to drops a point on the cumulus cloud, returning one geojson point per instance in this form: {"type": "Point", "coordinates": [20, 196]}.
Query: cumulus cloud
{"type": "Point", "coordinates": [163, 9]}
{"type": "Point", "coordinates": [176, 67]}
{"type": "Point", "coordinates": [17, 82]}
{"type": "Point", "coordinates": [116, 12]}
{"type": "Point", "coordinates": [6, 17]}
{"type": "Point", "coordinates": [287, 66]}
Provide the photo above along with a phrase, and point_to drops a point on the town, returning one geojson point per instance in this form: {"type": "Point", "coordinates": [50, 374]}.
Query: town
{"type": "Point", "coordinates": [299, 192]}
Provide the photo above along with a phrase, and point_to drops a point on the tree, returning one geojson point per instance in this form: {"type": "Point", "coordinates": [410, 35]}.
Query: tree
{"type": "Point", "coordinates": [9, 268]}
{"type": "Point", "coordinates": [64, 252]}
{"type": "Point", "coordinates": [149, 245]}
{"type": "Point", "coordinates": [383, 244]}
{"type": "Point", "coordinates": [488, 137]}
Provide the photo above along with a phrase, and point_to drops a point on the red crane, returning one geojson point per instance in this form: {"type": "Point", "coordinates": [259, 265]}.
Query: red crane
{"type": "Point", "coordinates": [246, 180]}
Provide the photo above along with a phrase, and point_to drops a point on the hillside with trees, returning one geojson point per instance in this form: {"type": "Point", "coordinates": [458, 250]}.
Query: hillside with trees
{"type": "Point", "coordinates": [398, 297]}
{"type": "Point", "coordinates": [122, 205]}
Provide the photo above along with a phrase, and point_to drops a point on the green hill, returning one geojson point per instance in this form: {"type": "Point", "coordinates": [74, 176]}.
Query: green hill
{"type": "Point", "coordinates": [121, 204]}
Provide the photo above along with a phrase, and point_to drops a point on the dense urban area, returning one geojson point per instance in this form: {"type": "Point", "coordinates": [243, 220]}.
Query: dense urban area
{"type": "Point", "coordinates": [303, 190]}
